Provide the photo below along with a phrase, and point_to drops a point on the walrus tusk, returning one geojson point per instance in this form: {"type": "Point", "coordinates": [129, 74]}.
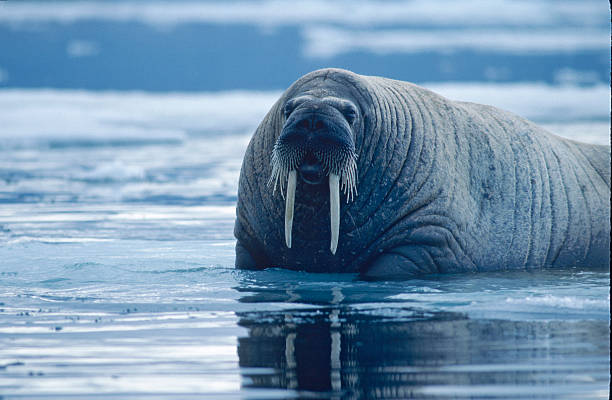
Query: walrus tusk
{"type": "Point", "coordinates": [334, 210]}
{"type": "Point", "coordinates": [290, 200]}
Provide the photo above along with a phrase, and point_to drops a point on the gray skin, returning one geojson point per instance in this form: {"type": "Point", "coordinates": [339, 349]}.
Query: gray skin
{"type": "Point", "coordinates": [443, 186]}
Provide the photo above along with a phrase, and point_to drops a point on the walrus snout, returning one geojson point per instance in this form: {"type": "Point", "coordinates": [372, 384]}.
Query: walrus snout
{"type": "Point", "coordinates": [311, 171]}
{"type": "Point", "coordinates": [316, 141]}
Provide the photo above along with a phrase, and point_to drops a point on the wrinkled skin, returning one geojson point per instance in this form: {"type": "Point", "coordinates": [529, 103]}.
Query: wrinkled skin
{"type": "Point", "coordinates": [443, 186]}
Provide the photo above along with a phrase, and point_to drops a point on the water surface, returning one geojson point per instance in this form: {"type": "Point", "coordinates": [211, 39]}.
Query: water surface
{"type": "Point", "coordinates": [117, 205]}
{"type": "Point", "coordinates": [117, 280]}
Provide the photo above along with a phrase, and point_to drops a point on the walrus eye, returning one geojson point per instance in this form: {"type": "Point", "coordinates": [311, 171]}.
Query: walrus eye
{"type": "Point", "coordinates": [292, 104]}
{"type": "Point", "coordinates": [288, 109]}
{"type": "Point", "coordinates": [350, 113]}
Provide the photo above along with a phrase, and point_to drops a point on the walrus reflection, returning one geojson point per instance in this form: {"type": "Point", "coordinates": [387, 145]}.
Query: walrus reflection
{"type": "Point", "coordinates": [344, 352]}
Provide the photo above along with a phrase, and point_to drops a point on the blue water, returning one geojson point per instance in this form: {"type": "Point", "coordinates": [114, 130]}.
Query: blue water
{"type": "Point", "coordinates": [117, 208]}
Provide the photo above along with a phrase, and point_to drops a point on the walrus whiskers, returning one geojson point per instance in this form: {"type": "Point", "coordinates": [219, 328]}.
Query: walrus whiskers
{"type": "Point", "coordinates": [344, 164]}
{"type": "Point", "coordinates": [283, 161]}
{"type": "Point", "coordinates": [339, 164]}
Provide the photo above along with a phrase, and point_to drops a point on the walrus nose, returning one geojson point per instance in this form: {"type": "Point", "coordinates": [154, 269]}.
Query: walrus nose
{"type": "Point", "coordinates": [312, 123]}
{"type": "Point", "coordinates": [311, 170]}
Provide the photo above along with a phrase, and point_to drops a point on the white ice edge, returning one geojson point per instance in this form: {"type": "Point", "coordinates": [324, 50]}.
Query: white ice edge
{"type": "Point", "coordinates": [326, 41]}
{"type": "Point", "coordinates": [91, 115]}
{"type": "Point", "coordinates": [537, 101]}
{"type": "Point", "coordinates": [578, 112]}
{"type": "Point", "coordinates": [566, 302]}
{"type": "Point", "coordinates": [277, 13]}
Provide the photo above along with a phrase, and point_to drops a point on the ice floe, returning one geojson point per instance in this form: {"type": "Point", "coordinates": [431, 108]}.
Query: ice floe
{"type": "Point", "coordinates": [141, 116]}
{"type": "Point", "coordinates": [345, 12]}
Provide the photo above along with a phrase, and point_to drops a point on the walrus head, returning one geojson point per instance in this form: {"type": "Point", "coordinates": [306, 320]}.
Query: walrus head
{"type": "Point", "coordinates": [316, 143]}
{"type": "Point", "coordinates": [314, 163]}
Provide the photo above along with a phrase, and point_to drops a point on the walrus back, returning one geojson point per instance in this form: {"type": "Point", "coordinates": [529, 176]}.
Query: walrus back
{"type": "Point", "coordinates": [567, 204]}
{"type": "Point", "coordinates": [599, 158]}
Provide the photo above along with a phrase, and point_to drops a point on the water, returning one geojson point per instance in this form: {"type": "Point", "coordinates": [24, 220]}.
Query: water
{"type": "Point", "coordinates": [170, 318]}
{"type": "Point", "coordinates": [117, 208]}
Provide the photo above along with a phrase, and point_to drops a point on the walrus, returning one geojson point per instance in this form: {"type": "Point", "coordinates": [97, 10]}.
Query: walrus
{"type": "Point", "coordinates": [363, 174]}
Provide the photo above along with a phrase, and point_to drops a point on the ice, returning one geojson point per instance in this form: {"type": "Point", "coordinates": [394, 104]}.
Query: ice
{"type": "Point", "coordinates": [275, 12]}
{"type": "Point", "coordinates": [187, 148]}
{"type": "Point", "coordinates": [571, 302]}
{"type": "Point", "coordinates": [117, 208]}
{"type": "Point", "coordinates": [145, 116]}
{"type": "Point", "coordinates": [539, 102]}
{"type": "Point", "coordinates": [115, 170]}
{"type": "Point", "coordinates": [108, 116]}
{"type": "Point", "coordinates": [570, 76]}
{"type": "Point", "coordinates": [329, 42]}
{"type": "Point", "coordinates": [82, 48]}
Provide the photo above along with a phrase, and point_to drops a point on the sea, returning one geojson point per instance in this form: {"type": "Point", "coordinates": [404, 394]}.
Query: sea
{"type": "Point", "coordinates": [122, 130]}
